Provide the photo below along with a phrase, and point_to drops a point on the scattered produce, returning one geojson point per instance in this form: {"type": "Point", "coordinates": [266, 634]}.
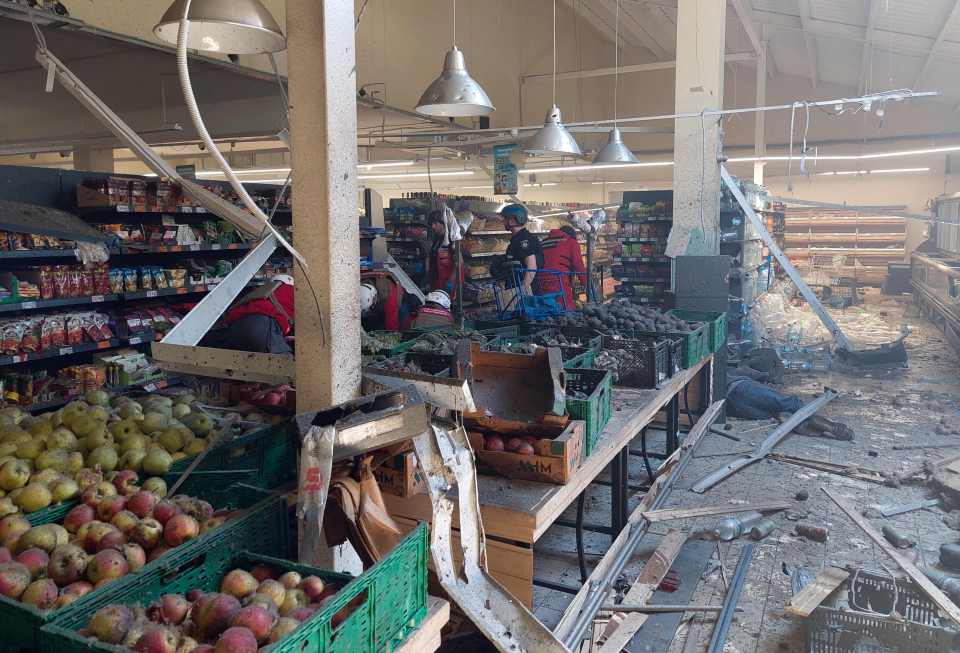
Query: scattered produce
{"type": "Point", "coordinates": [620, 315]}
{"type": "Point", "coordinates": [253, 608]}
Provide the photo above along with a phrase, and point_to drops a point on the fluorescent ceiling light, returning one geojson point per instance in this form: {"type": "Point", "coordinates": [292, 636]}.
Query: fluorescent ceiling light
{"type": "Point", "coordinates": [897, 170]}
{"type": "Point", "coordinates": [618, 166]}
{"type": "Point", "coordinates": [421, 175]}
{"type": "Point", "coordinates": [600, 183]}
{"type": "Point", "coordinates": [885, 171]}
{"type": "Point", "coordinates": [546, 183]}
{"type": "Point", "coordinates": [263, 181]}
{"type": "Point", "coordinates": [384, 164]}
{"type": "Point", "coordinates": [475, 187]}
{"type": "Point", "coordinates": [850, 157]}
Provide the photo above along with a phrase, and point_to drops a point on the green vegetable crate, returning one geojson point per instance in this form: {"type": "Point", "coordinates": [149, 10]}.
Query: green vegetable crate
{"type": "Point", "coordinates": [263, 528]}
{"type": "Point", "coordinates": [597, 408]}
{"type": "Point", "coordinates": [695, 342]}
{"type": "Point", "coordinates": [716, 320]}
{"type": "Point", "coordinates": [373, 612]}
{"type": "Point", "coordinates": [212, 486]}
{"type": "Point", "coordinates": [272, 450]}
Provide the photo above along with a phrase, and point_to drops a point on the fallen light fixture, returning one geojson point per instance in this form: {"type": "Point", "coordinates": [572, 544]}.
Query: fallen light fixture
{"type": "Point", "coordinates": [454, 93]}
{"type": "Point", "coordinates": [553, 137]}
{"type": "Point", "coordinates": [615, 151]}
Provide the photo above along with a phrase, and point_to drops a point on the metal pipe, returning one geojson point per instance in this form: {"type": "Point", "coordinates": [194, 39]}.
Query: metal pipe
{"type": "Point", "coordinates": [730, 602]}
{"type": "Point", "coordinates": [659, 609]}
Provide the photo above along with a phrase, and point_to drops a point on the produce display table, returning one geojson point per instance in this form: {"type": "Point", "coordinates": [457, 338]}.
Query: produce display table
{"type": "Point", "coordinates": [517, 513]}
{"type": "Point", "coordinates": [426, 639]}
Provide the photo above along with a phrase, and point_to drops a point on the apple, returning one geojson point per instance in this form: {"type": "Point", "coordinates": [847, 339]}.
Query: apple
{"type": "Point", "coordinates": [13, 474]}
{"type": "Point", "coordinates": [125, 521]}
{"type": "Point", "coordinates": [283, 627]}
{"type": "Point", "coordinates": [95, 532]}
{"type": "Point", "coordinates": [35, 560]}
{"type": "Point", "coordinates": [107, 507]}
{"type": "Point", "coordinates": [236, 639]}
{"type": "Point", "coordinates": [87, 478]}
{"type": "Point", "coordinates": [147, 533]}
{"type": "Point", "coordinates": [164, 510]}
{"type": "Point", "coordinates": [78, 516]}
{"type": "Point", "coordinates": [41, 594]}
{"type": "Point", "coordinates": [313, 586]}
{"type": "Point", "coordinates": [11, 528]}
{"type": "Point", "coordinates": [263, 572]}
{"type": "Point", "coordinates": [108, 564]}
{"type": "Point", "coordinates": [126, 481]}
{"type": "Point", "coordinates": [273, 589]}
{"type": "Point", "coordinates": [157, 639]}
{"type": "Point", "coordinates": [135, 555]}
{"type": "Point", "coordinates": [156, 485]}
{"type": "Point", "coordinates": [291, 580]}
{"type": "Point", "coordinates": [14, 578]}
{"type": "Point", "coordinates": [212, 613]}
{"type": "Point", "coordinates": [94, 494]}
{"type": "Point", "coordinates": [112, 540]}
{"type": "Point", "coordinates": [142, 503]}
{"type": "Point", "coordinates": [180, 529]}
{"type": "Point", "coordinates": [170, 609]}
{"type": "Point", "coordinates": [239, 583]}
{"type": "Point", "coordinates": [68, 564]}
{"type": "Point", "coordinates": [72, 592]}
{"type": "Point", "coordinates": [111, 623]}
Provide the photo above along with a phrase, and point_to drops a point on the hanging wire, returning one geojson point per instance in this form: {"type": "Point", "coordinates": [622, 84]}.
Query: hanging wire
{"type": "Point", "coordinates": [554, 52]}
{"type": "Point", "coordinates": [616, 62]}
{"type": "Point", "coordinates": [454, 23]}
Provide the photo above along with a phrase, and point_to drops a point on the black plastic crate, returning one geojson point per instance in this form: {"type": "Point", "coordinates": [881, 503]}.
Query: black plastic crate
{"type": "Point", "coordinates": [641, 362]}
{"type": "Point", "coordinates": [858, 621]}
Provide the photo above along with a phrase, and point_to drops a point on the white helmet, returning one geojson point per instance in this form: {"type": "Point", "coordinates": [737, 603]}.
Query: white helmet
{"type": "Point", "coordinates": [368, 297]}
{"type": "Point", "coordinates": [439, 297]}
{"type": "Point", "coordinates": [283, 278]}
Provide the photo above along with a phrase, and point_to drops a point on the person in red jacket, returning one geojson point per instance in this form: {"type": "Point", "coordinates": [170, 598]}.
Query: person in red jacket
{"type": "Point", "coordinates": [262, 319]}
{"type": "Point", "coordinates": [561, 252]}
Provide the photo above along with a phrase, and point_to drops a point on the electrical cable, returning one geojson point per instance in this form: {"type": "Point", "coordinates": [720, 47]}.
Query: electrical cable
{"type": "Point", "coordinates": [554, 52]}
{"type": "Point", "coordinates": [793, 114]}
{"type": "Point", "coordinates": [581, 556]}
{"type": "Point", "coordinates": [194, 110]}
{"type": "Point", "coordinates": [643, 452]}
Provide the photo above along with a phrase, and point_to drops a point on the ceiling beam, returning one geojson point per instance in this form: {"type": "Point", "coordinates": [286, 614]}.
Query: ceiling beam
{"type": "Point", "coordinates": [634, 68]}
{"type": "Point", "coordinates": [953, 14]}
{"type": "Point", "coordinates": [808, 40]}
{"type": "Point", "coordinates": [873, 8]}
{"type": "Point", "coordinates": [599, 15]}
{"type": "Point", "coordinates": [745, 14]}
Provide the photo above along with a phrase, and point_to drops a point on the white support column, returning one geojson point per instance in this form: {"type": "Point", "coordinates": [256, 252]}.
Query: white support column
{"type": "Point", "coordinates": [321, 59]}
{"type": "Point", "coordinates": [93, 160]}
{"type": "Point", "coordinates": [759, 126]}
{"type": "Point", "coordinates": [696, 142]}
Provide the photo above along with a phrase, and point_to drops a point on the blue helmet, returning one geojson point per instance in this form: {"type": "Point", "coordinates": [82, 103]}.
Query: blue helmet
{"type": "Point", "coordinates": [515, 212]}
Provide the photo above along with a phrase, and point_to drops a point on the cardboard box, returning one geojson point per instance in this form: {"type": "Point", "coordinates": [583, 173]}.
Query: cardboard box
{"type": "Point", "coordinates": [554, 461]}
{"type": "Point", "coordinates": [401, 476]}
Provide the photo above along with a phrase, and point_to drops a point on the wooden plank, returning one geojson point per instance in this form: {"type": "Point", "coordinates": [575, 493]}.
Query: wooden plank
{"type": "Point", "coordinates": [670, 514]}
{"type": "Point", "coordinates": [812, 595]}
{"type": "Point", "coordinates": [623, 626]}
{"type": "Point", "coordinates": [850, 471]}
{"type": "Point", "coordinates": [917, 576]}
{"type": "Point", "coordinates": [426, 638]}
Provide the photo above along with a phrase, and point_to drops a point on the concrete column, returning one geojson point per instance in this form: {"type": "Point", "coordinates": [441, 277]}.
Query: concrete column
{"type": "Point", "coordinates": [92, 160]}
{"type": "Point", "coordinates": [697, 142]}
{"type": "Point", "coordinates": [760, 117]}
{"type": "Point", "coordinates": [321, 60]}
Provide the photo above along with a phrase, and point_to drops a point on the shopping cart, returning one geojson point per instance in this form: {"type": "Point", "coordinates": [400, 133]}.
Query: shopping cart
{"type": "Point", "coordinates": [547, 299]}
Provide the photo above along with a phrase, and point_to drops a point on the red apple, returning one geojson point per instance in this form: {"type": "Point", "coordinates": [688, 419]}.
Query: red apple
{"type": "Point", "coordinates": [14, 578]}
{"type": "Point", "coordinates": [126, 481]}
{"type": "Point", "coordinates": [107, 565]}
{"type": "Point", "coordinates": [263, 572]}
{"type": "Point", "coordinates": [135, 555]}
{"type": "Point", "coordinates": [157, 551]}
{"type": "Point", "coordinates": [78, 516]}
{"type": "Point", "coordinates": [41, 594]}
{"type": "Point", "coordinates": [5, 555]}
{"type": "Point", "coordinates": [68, 564]}
{"type": "Point", "coordinates": [35, 560]}
{"type": "Point", "coordinates": [236, 640]}
{"type": "Point", "coordinates": [94, 532]}
{"type": "Point", "coordinates": [142, 503]}
{"type": "Point", "coordinates": [257, 619]}
{"type": "Point", "coordinates": [303, 613]}
{"type": "Point", "coordinates": [107, 507]}
{"type": "Point", "coordinates": [112, 540]}
{"type": "Point", "coordinates": [179, 529]}
{"type": "Point", "coordinates": [72, 592]}
{"type": "Point", "coordinates": [147, 533]}
{"type": "Point", "coordinates": [94, 494]}
{"type": "Point", "coordinates": [171, 609]}
{"type": "Point", "coordinates": [313, 586]}
{"type": "Point", "coordinates": [87, 477]}
{"type": "Point", "coordinates": [291, 580]}
{"type": "Point", "coordinates": [194, 594]}
{"type": "Point", "coordinates": [125, 520]}
{"type": "Point", "coordinates": [157, 639]}
{"type": "Point", "coordinates": [111, 623]}
{"type": "Point", "coordinates": [212, 613]}
{"type": "Point", "coordinates": [164, 510]}
{"type": "Point", "coordinates": [239, 583]}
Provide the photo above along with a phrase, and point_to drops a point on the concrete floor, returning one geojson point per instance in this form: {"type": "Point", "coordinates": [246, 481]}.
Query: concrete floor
{"type": "Point", "coordinates": [884, 410]}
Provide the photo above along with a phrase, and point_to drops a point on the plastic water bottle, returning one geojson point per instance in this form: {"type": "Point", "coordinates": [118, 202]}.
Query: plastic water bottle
{"type": "Point", "coordinates": [733, 527]}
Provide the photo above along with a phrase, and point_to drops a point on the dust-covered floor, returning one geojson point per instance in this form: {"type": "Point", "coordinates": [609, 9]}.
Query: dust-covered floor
{"type": "Point", "coordinates": [905, 408]}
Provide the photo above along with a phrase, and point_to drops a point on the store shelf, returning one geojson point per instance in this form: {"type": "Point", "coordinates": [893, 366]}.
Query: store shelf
{"type": "Point", "coordinates": [642, 280]}
{"type": "Point", "coordinates": [59, 352]}
{"type": "Point", "coordinates": [144, 337]}
{"type": "Point", "coordinates": [646, 219]}
{"type": "Point", "coordinates": [103, 299]}
{"type": "Point", "coordinates": [13, 255]}
{"type": "Point", "coordinates": [629, 239]}
{"type": "Point", "coordinates": [163, 249]}
{"type": "Point", "coordinates": [488, 233]}
{"type": "Point", "coordinates": [641, 259]}
{"type": "Point", "coordinates": [395, 239]}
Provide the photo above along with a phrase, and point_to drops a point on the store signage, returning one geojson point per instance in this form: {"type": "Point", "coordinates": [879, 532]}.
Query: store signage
{"type": "Point", "coordinates": [505, 171]}
{"type": "Point", "coordinates": [187, 172]}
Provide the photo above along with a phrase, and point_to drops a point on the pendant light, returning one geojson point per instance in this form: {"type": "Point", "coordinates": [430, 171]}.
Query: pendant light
{"type": "Point", "coordinates": [454, 93]}
{"type": "Point", "coordinates": [615, 151]}
{"type": "Point", "coordinates": [227, 26]}
{"type": "Point", "coordinates": [553, 137]}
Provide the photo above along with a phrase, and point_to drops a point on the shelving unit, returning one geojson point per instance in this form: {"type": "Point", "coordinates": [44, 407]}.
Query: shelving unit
{"type": "Point", "coordinates": [829, 244]}
{"type": "Point", "coordinates": [639, 266]}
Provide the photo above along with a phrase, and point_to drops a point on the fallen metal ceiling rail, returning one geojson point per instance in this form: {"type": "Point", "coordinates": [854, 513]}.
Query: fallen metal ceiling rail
{"type": "Point", "coordinates": [765, 447]}
{"type": "Point", "coordinates": [447, 460]}
{"type": "Point", "coordinates": [592, 596]}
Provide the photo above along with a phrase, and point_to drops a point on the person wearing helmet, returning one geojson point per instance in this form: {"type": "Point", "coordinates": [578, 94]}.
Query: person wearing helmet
{"type": "Point", "coordinates": [524, 248]}
{"type": "Point", "coordinates": [368, 298]}
{"type": "Point", "coordinates": [442, 262]}
{"type": "Point", "coordinates": [435, 312]}
{"type": "Point", "coordinates": [261, 320]}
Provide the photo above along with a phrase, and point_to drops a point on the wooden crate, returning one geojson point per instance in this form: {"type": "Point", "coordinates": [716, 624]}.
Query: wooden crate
{"type": "Point", "coordinates": [554, 461]}
{"type": "Point", "coordinates": [401, 476]}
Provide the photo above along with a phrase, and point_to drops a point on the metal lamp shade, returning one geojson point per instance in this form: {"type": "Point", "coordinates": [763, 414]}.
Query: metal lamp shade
{"type": "Point", "coordinates": [454, 93]}
{"type": "Point", "coordinates": [227, 26]}
{"type": "Point", "coordinates": [552, 138]}
{"type": "Point", "coordinates": [615, 151]}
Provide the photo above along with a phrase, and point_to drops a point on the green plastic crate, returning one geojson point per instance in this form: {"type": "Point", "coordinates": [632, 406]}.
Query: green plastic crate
{"type": "Point", "coordinates": [399, 342]}
{"type": "Point", "coordinates": [715, 319]}
{"type": "Point", "coordinates": [574, 360]}
{"type": "Point", "coordinates": [394, 600]}
{"type": "Point", "coordinates": [695, 342]}
{"type": "Point", "coordinates": [263, 528]}
{"type": "Point", "coordinates": [597, 409]}
{"type": "Point", "coordinates": [273, 450]}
